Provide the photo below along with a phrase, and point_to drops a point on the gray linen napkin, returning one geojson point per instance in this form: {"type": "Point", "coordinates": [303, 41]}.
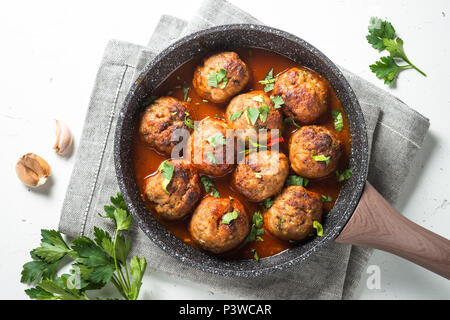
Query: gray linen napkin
{"type": "Point", "coordinates": [332, 273]}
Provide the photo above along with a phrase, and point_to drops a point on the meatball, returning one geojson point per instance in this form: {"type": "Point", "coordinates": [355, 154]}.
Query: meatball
{"type": "Point", "coordinates": [213, 84]}
{"type": "Point", "coordinates": [292, 213]}
{"type": "Point", "coordinates": [183, 191]}
{"type": "Point", "coordinates": [304, 92]}
{"type": "Point", "coordinates": [262, 174]}
{"type": "Point", "coordinates": [160, 120]}
{"type": "Point", "coordinates": [209, 149]}
{"type": "Point", "coordinates": [219, 225]}
{"type": "Point", "coordinates": [314, 151]}
{"type": "Point", "coordinates": [237, 115]}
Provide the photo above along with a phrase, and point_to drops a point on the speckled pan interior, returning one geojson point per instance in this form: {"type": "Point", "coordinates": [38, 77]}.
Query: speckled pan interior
{"type": "Point", "coordinates": [229, 37]}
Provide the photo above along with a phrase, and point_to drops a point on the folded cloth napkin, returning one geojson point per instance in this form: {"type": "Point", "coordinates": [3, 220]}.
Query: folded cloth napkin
{"type": "Point", "coordinates": [334, 271]}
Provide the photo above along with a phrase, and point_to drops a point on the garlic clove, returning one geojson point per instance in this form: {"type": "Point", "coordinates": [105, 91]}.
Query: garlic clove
{"type": "Point", "coordinates": [63, 138]}
{"type": "Point", "coordinates": [32, 170]}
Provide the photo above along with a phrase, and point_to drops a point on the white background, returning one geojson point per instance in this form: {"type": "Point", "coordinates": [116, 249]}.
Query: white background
{"type": "Point", "coordinates": [49, 57]}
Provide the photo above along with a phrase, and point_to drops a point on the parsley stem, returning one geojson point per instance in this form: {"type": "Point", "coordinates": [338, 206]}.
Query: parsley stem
{"type": "Point", "coordinates": [115, 281]}
{"type": "Point", "coordinates": [414, 67]}
{"type": "Point", "coordinates": [118, 271]}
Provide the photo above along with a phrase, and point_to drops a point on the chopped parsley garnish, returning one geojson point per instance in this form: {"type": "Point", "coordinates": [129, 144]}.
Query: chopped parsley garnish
{"type": "Point", "coordinates": [211, 158]}
{"type": "Point", "coordinates": [185, 90]}
{"type": "Point", "coordinates": [289, 120]}
{"type": "Point", "coordinates": [189, 99]}
{"type": "Point", "coordinates": [267, 203]}
{"type": "Point", "coordinates": [209, 186]}
{"type": "Point", "coordinates": [338, 120]}
{"type": "Point", "coordinates": [257, 229]}
{"type": "Point", "coordinates": [230, 216]}
{"type": "Point", "coordinates": [216, 78]}
{"type": "Point", "coordinates": [204, 100]}
{"type": "Point", "coordinates": [277, 101]}
{"type": "Point", "coordinates": [166, 170]}
{"type": "Point", "coordinates": [263, 110]}
{"type": "Point", "coordinates": [256, 144]}
{"type": "Point", "coordinates": [258, 175]}
{"type": "Point", "coordinates": [169, 93]}
{"type": "Point", "coordinates": [197, 103]}
{"type": "Point", "coordinates": [295, 180]}
{"type": "Point", "coordinates": [318, 227]}
{"type": "Point", "coordinates": [269, 81]}
{"type": "Point", "coordinates": [255, 254]}
{"type": "Point", "coordinates": [344, 175]}
{"type": "Point", "coordinates": [217, 140]}
{"type": "Point", "coordinates": [325, 198]}
{"type": "Point", "coordinates": [320, 158]}
{"type": "Point", "coordinates": [252, 115]}
{"type": "Point", "coordinates": [188, 122]}
{"type": "Point", "coordinates": [236, 115]}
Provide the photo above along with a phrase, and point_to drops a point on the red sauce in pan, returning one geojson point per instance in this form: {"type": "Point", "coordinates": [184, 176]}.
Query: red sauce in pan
{"type": "Point", "coordinates": [146, 160]}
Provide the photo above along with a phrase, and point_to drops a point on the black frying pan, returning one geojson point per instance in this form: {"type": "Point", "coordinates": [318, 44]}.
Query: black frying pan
{"type": "Point", "coordinates": [374, 222]}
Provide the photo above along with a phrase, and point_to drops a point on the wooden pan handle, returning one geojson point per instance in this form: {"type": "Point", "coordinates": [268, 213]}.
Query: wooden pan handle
{"type": "Point", "coordinates": [376, 224]}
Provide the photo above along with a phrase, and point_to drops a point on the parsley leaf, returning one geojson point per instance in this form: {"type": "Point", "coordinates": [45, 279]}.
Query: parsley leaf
{"type": "Point", "coordinates": [216, 140]}
{"type": "Point", "coordinates": [230, 216]}
{"type": "Point", "coordinates": [344, 175]}
{"type": "Point", "coordinates": [255, 254]}
{"type": "Point", "coordinates": [295, 180]}
{"type": "Point", "coordinates": [386, 69]}
{"type": "Point", "coordinates": [382, 37]}
{"type": "Point", "coordinates": [277, 101]}
{"type": "Point", "coordinates": [269, 81]}
{"type": "Point", "coordinates": [185, 91]}
{"type": "Point", "coordinates": [209, 186]}
{"type": "Point", "coordinates": [289, 120]}
{"type": "Point", "coordinates": [252, 114]}
{"type": "Point", "coordinates": [166, 170]}
{"type": "Point", "coordinates": [318, 227]}
{"type": "Point", "coordinates": [338, 120]}
{"type": "Point", "coordinates": [379, 30]}
{"type": "Point", "coordinates": [325, 198]}
{"type": "Point", "coordinates": [211, 158]}
{"type": "Point", "coordinates": [236, 115]}
{"type": "Point", "coordinates": [257, 230]}
{"type": "Point", "coordinates": [217, 78]}
{"type": "Point", "coordinates": [267, 203]}
{"type": "Point", "coordinates": [320, 158]}
{"type": "Point", "coordinates": [188, 122]}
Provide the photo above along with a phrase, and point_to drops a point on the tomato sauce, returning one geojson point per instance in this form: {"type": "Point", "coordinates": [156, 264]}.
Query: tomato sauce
{"type": "Point", "coordinates": [146, 160]}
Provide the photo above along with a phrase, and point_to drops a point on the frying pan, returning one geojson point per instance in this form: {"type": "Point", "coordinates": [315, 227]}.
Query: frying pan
{"type": "Point", "coordinates": [361, 216]}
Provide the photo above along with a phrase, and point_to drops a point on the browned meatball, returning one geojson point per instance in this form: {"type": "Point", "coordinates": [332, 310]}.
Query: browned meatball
{"type": "Point", "coordinates": [160, 120]}
{"type": "Point", "coordinates": [237, 76]}
{"type": "Point", "coordinates": [292, 214]}
{"type": "Point", "coordinates": [207, 148]}
{"type": "Point", "coordinates": [237, 114]}
{"type": "Point", "coordinates": [183, 191]}
{"type": "Point", "coordinates": [211, 227]}
{"type": "Point", "coordinates": [314, 151]}
{"type": "Point", "coordinates": [305, 94]}
{"type": "Point", "coordinates": [262, 174]}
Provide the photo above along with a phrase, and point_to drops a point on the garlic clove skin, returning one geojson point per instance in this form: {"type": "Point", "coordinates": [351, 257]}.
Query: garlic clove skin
{"type": "Point", "coordinates": [63, 138]}
{"type": "Point", "coordinates": [32, 170]}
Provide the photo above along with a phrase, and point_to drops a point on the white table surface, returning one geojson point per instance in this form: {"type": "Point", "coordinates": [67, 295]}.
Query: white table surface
{"type": "Point", "coordinates": [49, 58]}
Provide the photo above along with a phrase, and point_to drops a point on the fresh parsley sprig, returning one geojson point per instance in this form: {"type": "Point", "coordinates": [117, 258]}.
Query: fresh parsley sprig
{"type": "Point", "coordinates": [94, 262]}
{"type": "Point", "coordinates": [382, 37]}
